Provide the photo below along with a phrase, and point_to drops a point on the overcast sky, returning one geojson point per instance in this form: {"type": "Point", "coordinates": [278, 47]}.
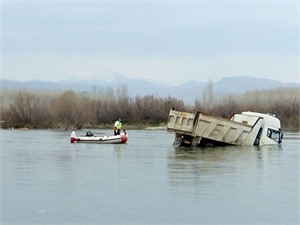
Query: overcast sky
{"type": "Point", "coordinates": [168, 41]}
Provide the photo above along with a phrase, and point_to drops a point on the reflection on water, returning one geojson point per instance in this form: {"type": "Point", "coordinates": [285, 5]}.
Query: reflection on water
{"type": "Point", "coordinates": [145, 181]}
{"type": "Point", "coordinates": [204, 165]}
{"type": "Point", "coordinates": [245, 178]}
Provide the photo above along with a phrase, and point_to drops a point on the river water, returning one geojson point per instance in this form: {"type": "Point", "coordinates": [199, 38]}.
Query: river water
{"type": "Point", "coordinates": [47, 180]}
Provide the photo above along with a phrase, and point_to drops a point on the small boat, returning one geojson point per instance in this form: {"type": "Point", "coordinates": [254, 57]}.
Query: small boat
{"type": "Point", "coordinates": [91, 138]}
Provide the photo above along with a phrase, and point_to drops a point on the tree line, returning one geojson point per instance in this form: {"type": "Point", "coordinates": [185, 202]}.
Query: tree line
{"type": "Point", "coordinates": [67, 109]}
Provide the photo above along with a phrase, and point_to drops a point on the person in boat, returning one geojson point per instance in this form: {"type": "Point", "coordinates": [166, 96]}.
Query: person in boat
{"type": "Point", "coordinates": [73, 136]}
{"type": "Point", "coordinates": [117, 127]}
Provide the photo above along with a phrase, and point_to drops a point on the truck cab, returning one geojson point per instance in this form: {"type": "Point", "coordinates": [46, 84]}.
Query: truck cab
{"type": "Point", "coordinates": [270, 131]}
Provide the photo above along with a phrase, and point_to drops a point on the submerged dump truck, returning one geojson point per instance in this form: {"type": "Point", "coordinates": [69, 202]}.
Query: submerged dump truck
{"type": "Point", "coordinates": [203, 130]}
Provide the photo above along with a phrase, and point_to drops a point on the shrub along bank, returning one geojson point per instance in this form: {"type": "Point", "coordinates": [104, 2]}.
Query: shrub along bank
{"type": "Point", "coordinates": [25, 108]}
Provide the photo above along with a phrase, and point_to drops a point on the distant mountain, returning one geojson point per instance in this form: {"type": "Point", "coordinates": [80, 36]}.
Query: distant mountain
{"type": "Point", "coordinates": [187, 92]}
{"type": "Point", "coordinates": [242, 84]}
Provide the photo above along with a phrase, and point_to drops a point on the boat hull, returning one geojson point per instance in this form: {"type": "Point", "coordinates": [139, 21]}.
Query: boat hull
{"type": "Point", "coordinates": [118, 139]}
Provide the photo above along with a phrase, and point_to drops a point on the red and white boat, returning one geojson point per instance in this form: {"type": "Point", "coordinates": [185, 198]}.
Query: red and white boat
{"type": "Point", "coordinates": [91, 138]}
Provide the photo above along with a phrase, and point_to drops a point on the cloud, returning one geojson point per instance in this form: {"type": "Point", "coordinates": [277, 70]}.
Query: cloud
{"type": "Point", "coordinates": [169, 41]}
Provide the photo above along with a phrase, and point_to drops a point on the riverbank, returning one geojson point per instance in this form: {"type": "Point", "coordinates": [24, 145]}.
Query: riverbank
{"type": "Point", "coordinates": [137, 126]}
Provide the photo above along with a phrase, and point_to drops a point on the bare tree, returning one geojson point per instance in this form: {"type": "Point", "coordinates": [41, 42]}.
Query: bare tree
{"type": "Point", "coordinates": [24, 109]}
{"type": "Point", "coordinates": [63, 108]}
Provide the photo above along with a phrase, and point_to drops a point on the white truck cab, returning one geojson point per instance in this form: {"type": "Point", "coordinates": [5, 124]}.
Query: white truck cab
{"type": "Point", "coordinates": [270, 131]}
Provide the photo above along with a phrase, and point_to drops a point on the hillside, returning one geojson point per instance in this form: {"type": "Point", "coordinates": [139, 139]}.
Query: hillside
{"type": "Point", "coordinates": [187, 92]}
